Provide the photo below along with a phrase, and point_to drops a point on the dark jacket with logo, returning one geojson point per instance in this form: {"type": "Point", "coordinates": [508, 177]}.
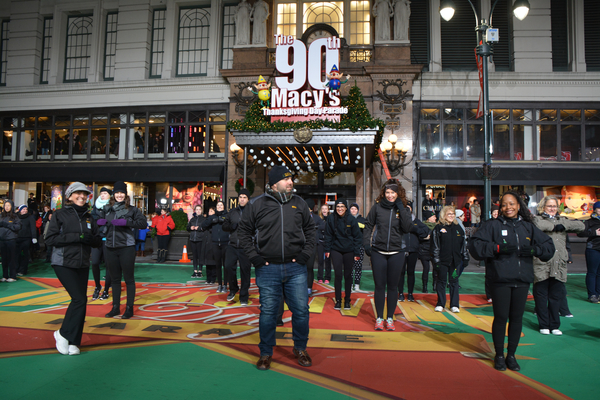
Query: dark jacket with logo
{"type": "Point", "coordinates": [320, 226]}
{"type": "Point", "coordinates": [232, 220]}
{"type": "Point", "coordinates": [342, 234]}
{"type": "Point", "coordinates": [591, 225]}
{"type": "Point", "coordinates": [65, 231]}
{"type": "Point", "coordinates": [386, 224]}
{"type": "Point", "coordinates": [123, 236]}
{"type": "Point", "coordinates": [28, 229]}
{"type": "Point", "coordinates": [10, 225]}
{"type": "Point", "coordinates": [425, 243]}
{"type": "Point", "coordinates": [196, 235]}
{"type": "Point", "coordinates": [411, 241]}
{"type": "Point", "coordinates": [283, 231]}
{"type": "Point", "coordinates": [448, 245]}
{"type": "Point", "coordinates": [515, 268]}
{"type": "Point", "coordinates": [215, 224]}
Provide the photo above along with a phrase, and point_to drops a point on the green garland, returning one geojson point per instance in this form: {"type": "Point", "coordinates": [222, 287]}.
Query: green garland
{"type": "Point", "coordinates": [358, 118]}
{"type": "Point", "coordinates": [249, 185]}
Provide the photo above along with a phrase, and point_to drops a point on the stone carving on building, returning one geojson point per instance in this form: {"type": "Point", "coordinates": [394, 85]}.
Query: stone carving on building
{"type": "Point", "coordinates": [260, 14]}
{"type": "Point", "coordinates": [401, 20]}
{"type": "Point", "coordinates": [242, 23]}
{"type": "Point", "coordinates": [383, 11]}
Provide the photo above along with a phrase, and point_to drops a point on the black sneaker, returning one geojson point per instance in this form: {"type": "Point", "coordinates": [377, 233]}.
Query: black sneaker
{"type": "Point", "coordinates": [593, 299]}
{"type": "Point", "coordinates": [338, 305]}
{"type": "Point", "coordinates": [195, 274]}
{"type": "Point", "coordinates": [96, 293]}
{"type": "Point", "coordinates": [347, 305]}
{"type": "Point", "coordinates": [104, 295]}
{"type": "Point", "coordinates": [500, 362]}
{"type": "Point", "coordinates": [512, 363]}
{"type": "Point", "coordinates": [401, 297]}
{"type": "Point", "coordinates": [410, 297]}
{"type": "Point", "coordinates": [231, 296]}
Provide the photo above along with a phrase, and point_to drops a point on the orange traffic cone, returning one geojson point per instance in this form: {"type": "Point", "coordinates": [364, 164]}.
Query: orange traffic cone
{"type": "Point", "coordinates": [184, 258]}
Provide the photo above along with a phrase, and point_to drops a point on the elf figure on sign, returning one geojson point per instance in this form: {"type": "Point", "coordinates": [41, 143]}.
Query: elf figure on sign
{"type": "Point", "coordinates": [263, 91]}
{"type": "Point", "coordinates": [334, 77]}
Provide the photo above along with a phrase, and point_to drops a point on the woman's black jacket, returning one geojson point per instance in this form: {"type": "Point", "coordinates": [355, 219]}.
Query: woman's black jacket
{"type": "Point", "coordinates": [411, 241]}
{"type": "Point", "coordinates": [342, 234]}
{"type": "Point", "coordinates": [448, 245]}
{"type": "Point", "coordinates": [123, 236]}
{"type": "Point", "coordinates": [215, 224]}
{"type": "Point", "coordinates": [591, 225]}
{"type": "Point", "coordinates": [196, 235]}
{"type": "Point", "coordinates": [386, 223]}
{"type": "Point", "coordinates": [509, 246]}
{"type": "Point", "coordinates": [72, 238]}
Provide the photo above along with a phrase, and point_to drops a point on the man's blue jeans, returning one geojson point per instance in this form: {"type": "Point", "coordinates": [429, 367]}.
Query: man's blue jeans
{"type": "Point", "coordinates": [273, 281]}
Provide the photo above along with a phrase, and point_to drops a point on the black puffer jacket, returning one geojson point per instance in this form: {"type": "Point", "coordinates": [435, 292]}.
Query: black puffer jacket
{"type": "Point", "coordinates": [283, 231]}
{"type": "Point", "coordinates": [215, 224]}
{"type": "Point", "coordinates": [66, 230]}
{"type": "Point", "coordinates": [320, 227]}
{"type": "Point", "coordinates": [123, 236]}
{"type": "Point", "coordinates": [386, 223]}
{"type": "Point", "coordinates": [591, 225]}
{"type": "Point", "coordinates": [232, 220]}
{"type": "Point", "coordinates": [449, 245]}
{"type": "Point", "coordinates": [28, 230]}
{"type": "Point", "coordinates": [342, 234]}
{"type": "Point", "coordinates": [98, 213]}
{"type": "Point", "coordinates": [411, 241]}
{"type": "Point", "coordinates": [10, 224]}
{"type": "Point", "coordinates": [425, 244]}
{"type": "Point", "coordinates": [517, 267]}
{"type": "Point", "coordinates": [196, 235]}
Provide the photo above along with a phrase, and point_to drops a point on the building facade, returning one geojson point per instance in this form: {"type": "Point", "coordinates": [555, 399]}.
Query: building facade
{"type": "Point", "coordinates": [142, 90]}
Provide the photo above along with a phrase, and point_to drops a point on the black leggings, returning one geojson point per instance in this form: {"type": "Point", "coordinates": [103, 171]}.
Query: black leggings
{"type": "Point", "coordinates": [409, 266]}
{"type": "Point", "coordinates": [121, 261]}
{"type": "Point", "coordinates": [219, 254]}
{"type": "Point", "coordinates": [74, 280]}
{"type": "Point", "coordinates": [343, 261]}
{"type": "Point", "coordinates": [163, 242]}
{"type": "Point", "coordinates": [323, 264]}
{"type": "Point", "coordinates": [97, 254]}
{"type": "Point", "coordinates": [196, 248]}
{"type": "Point", "coordinates": [386, 271]}
{"type": "Point", "coordinates": [508, 303]}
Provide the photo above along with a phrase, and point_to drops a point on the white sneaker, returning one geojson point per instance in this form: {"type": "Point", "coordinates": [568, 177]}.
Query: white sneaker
{"type": "Point", "coordinates": [62, 344]}
{"type": "Point", "coordinates": [569, 316]}
{"type": "Point", "coordinates": [11, 280]}
{"type": "Point", "coordinates": [545, 331]}
{"type": "Point", "coordinates": [73, 350]}
{"type": "Point", "coordinates": [455, 309]}
{"type": "Point", "coordinates": [439, 309]}
{"type": "Point", "coordinates": [3, 280]}
{"type": "Point", "coordinates": [556, 332]}
{"type": "Point", "coordinates": [356, 287]}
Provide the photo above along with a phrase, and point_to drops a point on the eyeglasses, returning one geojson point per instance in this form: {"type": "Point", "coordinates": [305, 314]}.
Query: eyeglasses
{"type": "Point", "coordinates": [450, 214]}
{"type": "Point", "coordinates": [551, 206]}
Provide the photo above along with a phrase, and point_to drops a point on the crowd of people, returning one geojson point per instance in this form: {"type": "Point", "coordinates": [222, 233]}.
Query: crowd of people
{"type": "Point", "coordinates": [282, 236]}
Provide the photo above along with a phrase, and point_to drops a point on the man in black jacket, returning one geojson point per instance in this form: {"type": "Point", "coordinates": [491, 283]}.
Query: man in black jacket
{"type": "Point", "coordinates": [283, 229]}
{"type": "Point", "coordinates": [27, 235]}
{"type": "Point", "coordinates": [235, 253]}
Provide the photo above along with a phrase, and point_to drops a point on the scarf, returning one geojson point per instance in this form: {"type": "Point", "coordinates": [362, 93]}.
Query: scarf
{"type": "Point", "coordinates": [281, 197]}
{"type": "Point", "coordinates": [101, 203]}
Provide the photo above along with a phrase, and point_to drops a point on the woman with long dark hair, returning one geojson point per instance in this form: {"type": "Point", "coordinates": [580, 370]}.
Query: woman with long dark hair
{"type": "Point", "coordinates": [10, 224]}
{"type": "Point", "coordinates": [449, 249]}
{"type": "Point", "coordinates": [121, 220]}
{"type": "Point", "coordinates": [196, 237]}
{"type": "Point", "coordinates": [342, 242]}
{"type": "Point", "coordinates": [323, 263]}
{"type": "Point", "coordinates": [387, 221]}
{"type": "Point", "coordinates": [72, 232]}
{"type": "Point", "coordinates": [509, 244]}
{"type": "Point", "coordinates": [220, 241]}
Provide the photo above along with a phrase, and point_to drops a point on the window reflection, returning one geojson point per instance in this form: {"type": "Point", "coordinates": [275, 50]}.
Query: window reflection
{"type": "Point", "coordinates": [429, 141]}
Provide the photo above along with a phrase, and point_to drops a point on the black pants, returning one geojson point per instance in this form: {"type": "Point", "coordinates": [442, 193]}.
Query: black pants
{"type": "Point", "coordinates": [196, 248]}
{"type": "Point", "coordinates": [450, 274]}
{"type": "Point", "coordinates": [488, 281]}
{"type": "Point", "coordinates": [323, 264]}
{"type": "Point", "coordinates": [211, 274]}
{"type": "Point", "coordinates": [23, 246]}
{"type": "Point", "coordinates": [345, 262]}
{"type": "Point", "coordinates": [163, 242]}
{"type": "Point", "coordinates": [564, 304]}
{"type": "Point", "coordinates": [75, 281]}
{"type": "Point", "coordinates": [97, 255]}
{"type": "Point", "coordinates": [8, 249]}
{"type": "Point", "coordinates": [310, 270]}
{"type": "Point", "coordinates": [548, 295]}
{"type": "Point", "coordinates": [409, 266]}
{"type": "Point", "coordinates": [509, 305]}
{"type": "Point", "coordinates": [386, 271]}
{"type": "Point", "coordinates": [426, 263]}
{"type": "Point", "coordinates": [121, 262]}
{"type": "Point", "coordinates": [219, 254]}
{"type": "Point", "coordinates": [232, 256]}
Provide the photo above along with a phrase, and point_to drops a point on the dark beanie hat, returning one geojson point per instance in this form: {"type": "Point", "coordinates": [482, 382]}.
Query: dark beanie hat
{"type": "Point", "coordinates": [495, 207]}
{"type": "Point", "coordinates": [355, 205]}
{"type": "Point", "coordinates": [340, 201]}
{"type": "Point", "coordinates": [105, 189]}
{"type": "Point", "coordinates": [310, 203]}
{"type": "Point", "coordinates": [120, 187]}
{"type": "Point", "coordinates": [278, 173]}
{"type": "Point", "coordinates": [244, 191]}
{"type": "Point", "coordinates": [427, 214]}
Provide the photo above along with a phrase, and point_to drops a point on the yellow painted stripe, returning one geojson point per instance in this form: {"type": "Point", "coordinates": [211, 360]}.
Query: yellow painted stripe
{"type": "Point", "coordinates": [317, 304]}
{"type": "Point", "coordinates": [306, 376]}
{"type": "Point", "coordinates": [27, 294]}
{"type": "Point", "coordinates": [38, 283]}
{"type": "Point", "coordinates": [356, 307]}
{"type": "Point", "coordinates": [153, 297]}
{"type": "Point", "coordinates": [51, 299]}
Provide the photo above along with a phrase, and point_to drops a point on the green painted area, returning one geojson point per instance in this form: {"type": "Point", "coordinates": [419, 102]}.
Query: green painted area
{"type": "Point", "coordinates": [566, 363]}
{"type": "Point", "coordinates": [174, 371]}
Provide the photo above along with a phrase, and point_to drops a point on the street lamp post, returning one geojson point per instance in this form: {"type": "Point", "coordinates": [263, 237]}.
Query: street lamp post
{"type": "Point", "coordinates": [484, 50]}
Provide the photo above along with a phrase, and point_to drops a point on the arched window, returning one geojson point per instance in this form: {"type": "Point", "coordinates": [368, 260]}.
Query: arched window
{"type": "Point", "coordinates": [192, 51]}
{"type": "Point", "coordinates": [79, 46]}
{"type": "Point", "coordinates": [330, 13]}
